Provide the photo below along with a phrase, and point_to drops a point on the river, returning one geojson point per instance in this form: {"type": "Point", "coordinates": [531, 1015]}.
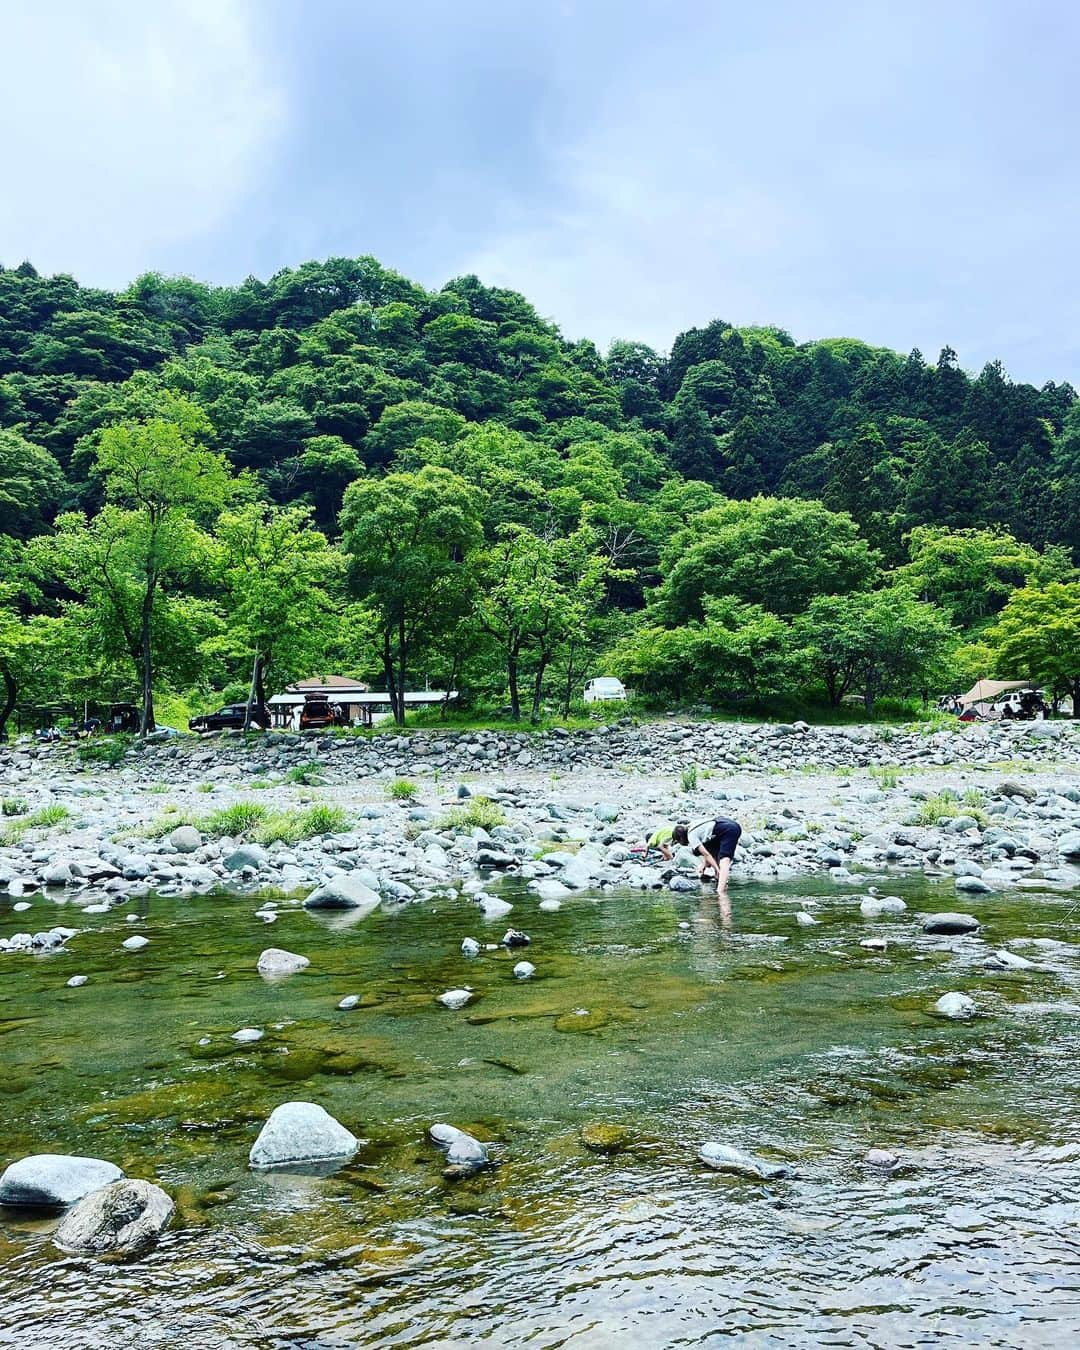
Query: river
{"type": "Point", "coordinates": [644, 1013]}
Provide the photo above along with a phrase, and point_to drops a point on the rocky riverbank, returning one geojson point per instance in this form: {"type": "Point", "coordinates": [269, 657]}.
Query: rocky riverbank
{"type": "Point", "coordinates": [987, 807]}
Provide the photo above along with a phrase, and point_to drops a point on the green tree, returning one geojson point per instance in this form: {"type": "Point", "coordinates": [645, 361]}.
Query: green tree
{"type": "Point", "coordinates": [31, 485]}
{"type": "Point", "coordinates": [874, 642]}
{"type": "Point", "coordinates": [1037, 635]}
{"type": "Point", "coordinates": [769, 552]}
{"type": "Point", "coordinates": [279, 575]}
{"type": "Point", "coordinates": [407, 536]}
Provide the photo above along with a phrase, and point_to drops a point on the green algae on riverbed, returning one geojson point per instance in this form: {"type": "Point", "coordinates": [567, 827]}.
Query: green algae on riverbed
{"type": "Point", "coordinates": [794, 1043]}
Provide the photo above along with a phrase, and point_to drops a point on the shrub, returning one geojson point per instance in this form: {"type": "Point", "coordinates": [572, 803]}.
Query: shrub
{"type": "Point", "coordinates": [107, 753]}
{"type": "Point", "coordinates": [479, 813]}
{"type": "Point", "coordinates": [401, 790]}
{"type": "Point", "coordinates": [689, 779]}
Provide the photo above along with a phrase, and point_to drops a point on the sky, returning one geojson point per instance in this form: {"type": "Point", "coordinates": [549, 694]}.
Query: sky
{"type": "Point", "coordinates": [902, 173]}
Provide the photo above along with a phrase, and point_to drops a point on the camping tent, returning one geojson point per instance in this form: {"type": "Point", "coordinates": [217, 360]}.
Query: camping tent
{"type": "Point", "coordinates": [986, 691]}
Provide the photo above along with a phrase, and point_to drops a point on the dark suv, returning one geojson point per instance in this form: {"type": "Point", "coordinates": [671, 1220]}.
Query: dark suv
{"type": "Point", "coordinates": [229, 718]}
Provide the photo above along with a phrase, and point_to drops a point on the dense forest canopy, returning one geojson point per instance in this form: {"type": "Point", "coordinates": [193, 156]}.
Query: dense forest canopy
{"type": "Point", "coordinates": [337, 467]}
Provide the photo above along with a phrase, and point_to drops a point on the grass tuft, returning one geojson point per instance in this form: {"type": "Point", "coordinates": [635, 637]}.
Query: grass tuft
{"type": "Point", "coordinates": [44, 819]}
{"type": "Point", "coordinates": [479, 813]}
{"type": "Point", "coordinates": [307, 775]}
{"type": "Point", "coordinates": [401, 790]}
{"type": "Point", "coordinates": [689, 779]}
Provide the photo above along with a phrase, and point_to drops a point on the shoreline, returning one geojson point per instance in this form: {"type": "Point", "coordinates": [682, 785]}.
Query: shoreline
{"type": "Point", "coordinates": [832, 801]}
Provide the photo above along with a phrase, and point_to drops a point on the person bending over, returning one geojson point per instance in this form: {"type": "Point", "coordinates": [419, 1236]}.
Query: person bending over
{"type": "Point", "coordinates": [660, 839]}
{"type": "Point", "coordinates": [713, 842]}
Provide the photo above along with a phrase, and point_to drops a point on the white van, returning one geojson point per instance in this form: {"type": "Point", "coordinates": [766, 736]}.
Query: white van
{"type": "Point", "coordinates": [605, 690]}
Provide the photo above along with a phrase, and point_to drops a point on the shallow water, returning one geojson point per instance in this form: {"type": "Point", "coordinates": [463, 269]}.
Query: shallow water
{"type": "Point", "coordinates": [792, 1042]}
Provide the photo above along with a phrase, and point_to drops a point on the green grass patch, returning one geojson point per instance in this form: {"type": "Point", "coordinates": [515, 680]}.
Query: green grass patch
{"type": "Point", "coordinates": [946, 805]}
{"type": "Point", "coordinates": [401, 790]}
{"type": "Point", "coordinates": [44, 819]}
{"type": "Point", "coordinates": [689, 780]}
{"type": "Point", "coordinates": [478, 813]}
{"type": "Point", "coordinates": [14, 806]}
{"type": "Point", "coordinates": [237, 820]}
{"type": "Point", "coordinates": [886, 776]}
{"type": "Point", "coordinates": [307, 775]}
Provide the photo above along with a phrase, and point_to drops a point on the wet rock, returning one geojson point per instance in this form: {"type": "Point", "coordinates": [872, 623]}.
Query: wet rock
{"type": "Point", "coordinates": [550, 889]}
{"type": "Point", "coordinates": [247, 855]}
{"type": "Point", "coordinates": [723, 1158]}
{"type": "Point", "coordinates": [277, 961]}
{"type": "Point", "coordinates": [54, 1180]}
{"type": "Point", "coordinates": [470, 947]}
{"type": "Point", "coordinates": [874, 944]}
{"type": "Point", "coordinates": [349, 1002]}
{"type": "Point", "coordinates": [876, 905]}
{"type": "Point", "coordinates": [464, 1154]}
{"type": "Point", "coordinates": [1006, 960]}
{"type": "Point", "coordinates": [493, 857]}
{"type": "Point", "coordinates": [524, 970]}
{"type": "Point", "coordinates": [186, 839]}
{"type": "Point", "coordinates": [125, 1218]}
{"type": "Point", "coordinates": [57, 874]}
{"type": "Point", "coordinates": [135, 944]}
{"type": "Point", "coordinates": [301, 1132]}
{"type": "Point", "coordinates": [957, 1006]}
{"type": "Point", "coordinates": [513, 937]}
{"type": "Point", "coordinates": [1069, 845]}
{"type": "Point", "coordinates": [247, 1035]}
{"type": "Point", "coordinates": [345, 891]}
{"type": "Point", "coordinates": [805, 920]}
{"type": "Point", "coordinates": [975, 885]}
{"type": "Point", "coordinates": [77, 981]}
{"type": "Point", "coordinates": [882, 1160]}
{"type": "Point", "coordinates": [950, 922]}
{"type": "Point", "coordinates": [455, 998]}
{"type": "Point", "coordinates": [681, 883]}
{"type": "Point", "coordinates": [492, 907]}
{"type": "Point", "coordinates": [599, 1137]}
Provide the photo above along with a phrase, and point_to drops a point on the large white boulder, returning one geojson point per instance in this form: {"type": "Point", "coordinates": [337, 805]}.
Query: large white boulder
{"type": "Point", "coordinates": [344, 891]}
{"type": "Point", "coordinates": [957, 1006]}
{"type": "Point", "coordinates": [54, 1180]}
{"type": "Point", "coordinates": [277, 961]}
{"type": "Point", "coordinates": [125, 1218]}
{"type": "Point", "coordinates": [301, 1132]}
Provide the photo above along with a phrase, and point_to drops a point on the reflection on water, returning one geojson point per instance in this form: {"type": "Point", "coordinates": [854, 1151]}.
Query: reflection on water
{"type": "Point", "coordinates": [792, 1042]}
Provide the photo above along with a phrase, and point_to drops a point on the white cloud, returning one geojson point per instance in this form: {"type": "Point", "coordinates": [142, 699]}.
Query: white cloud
{"type": "Point", "coordinates": [131, 129]}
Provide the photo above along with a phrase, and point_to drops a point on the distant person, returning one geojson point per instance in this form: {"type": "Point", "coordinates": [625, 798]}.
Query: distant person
{"type": "Point", "coordinates": [713, 842]}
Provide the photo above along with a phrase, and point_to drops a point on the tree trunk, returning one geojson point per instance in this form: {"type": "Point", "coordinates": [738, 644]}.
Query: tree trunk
{"type": "Point", "coordinates": [10, 691]}
{"type": "Point", "coordinates": [1076, 698]}
{"type": "Point", "coordinates": [256, 693]}
{"type": "Point", "coordinates": [512, 681]}
{"type": "Point", "coordinates": [146, 657]}
{"type": "Point", "coordinates": [391, 677]}
{"type": "Point", "coordinates": [538, 687]}
{"type": "Point", "coordinates": [403, 649]}
{"type": "Point", "coordinates": [568, 692]}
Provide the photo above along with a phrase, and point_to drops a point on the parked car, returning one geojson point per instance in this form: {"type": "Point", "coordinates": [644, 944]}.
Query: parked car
{"type": "Point", "coordinates": [318, 711]}
{"type": "Point", "coordinates": [229, 718]}
{"type": "Point", "coordinates": [606, 689]}
{"type": "Point", "coordinates": [1024, 705]}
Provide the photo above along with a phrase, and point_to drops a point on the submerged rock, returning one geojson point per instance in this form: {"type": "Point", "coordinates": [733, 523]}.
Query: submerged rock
{"type": "Point", "coordinates": [599, 1137]}
{"type": "Point", "coordinates": [492, 907]}
{"type": "Point", "coordinates": [301, 1132]}
{"type": "Point", "coordinates": [247, 1035]}
{"type": "Point", "coordinates": [470, 947]}
{"type": "Point", "coordinates": [955, 1006]}
{"type": "Point", "coordinates": [1006, 960]}
{"type": "Point", "coordinates": [949, 922]}
{"type": "Point", "coordinates": [464, 1154]}
{"type": "Point", "coordinates": [723, 1158]}
{"type": "Point", "coordinates": [805, 920]}
{"type": "Point", "coordinates": [524, 970]}
{"type": "Point", "coordinates": [125, 1218]}
{"type": "Point", "coordinates": [349, 1002]}
{"type": "Point", "coordinates": [54, 1180]}
{"type": "Point", "coordinates": [513, 937]}
{"type": "Point", "coordinates": [882, 1160]}
{"type": "Point", "coordinates": [277, 961]}
{"type": "Point", "coordinates": [77, 981]}
{"type": "Point", "coordinates": [135, 944]}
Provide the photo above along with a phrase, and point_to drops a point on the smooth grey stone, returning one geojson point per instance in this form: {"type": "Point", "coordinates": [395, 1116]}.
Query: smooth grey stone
{"type": "Point", "coordinates": [723, 1158]}
{"type": "Point", "coordinates": [949, 922]}
{"type": "Point", "coordinates": [277, 961]}
{"type": "Point", "coordinates": [955, 1006]}
{"type": "Point", "coordinates": [346, 891]}
{"type": "Point", "coordinates": [186, 839]}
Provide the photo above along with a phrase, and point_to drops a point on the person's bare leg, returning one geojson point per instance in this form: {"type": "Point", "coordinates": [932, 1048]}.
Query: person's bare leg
{"type": "Point", "coordinates": [723, 868]}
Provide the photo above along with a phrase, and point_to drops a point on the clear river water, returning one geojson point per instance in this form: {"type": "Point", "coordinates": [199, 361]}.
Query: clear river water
{"type": "Point", "coordinates": [792, 1042]}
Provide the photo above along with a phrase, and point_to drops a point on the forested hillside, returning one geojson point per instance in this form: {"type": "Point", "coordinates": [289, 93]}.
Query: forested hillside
{"type": "Point", "coordinates": [202, 486]}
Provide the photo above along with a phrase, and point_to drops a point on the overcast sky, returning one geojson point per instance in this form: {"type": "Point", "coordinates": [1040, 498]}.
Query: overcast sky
{"type": "Point", "coordinates": [904, 173]}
